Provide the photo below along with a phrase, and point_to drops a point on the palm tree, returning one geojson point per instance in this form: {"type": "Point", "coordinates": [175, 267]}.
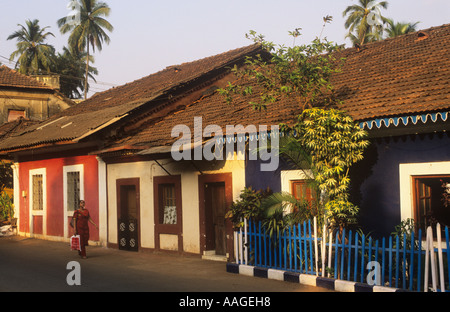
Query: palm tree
{"type": "Point", "coordinates": [34, 54]}
{"type": "Point", "coordinates": [358, 20]}
{"type": "Point", "coordinates": [90, 31]}
{"type": "Point", "coordinates": [395, 29]}
{"type": "Point", "coordinates": [71, 67]}
{"type": "Point", "coordinates": [368, 37]}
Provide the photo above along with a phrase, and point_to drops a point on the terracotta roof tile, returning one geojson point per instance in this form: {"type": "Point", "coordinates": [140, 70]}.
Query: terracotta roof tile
{"type": "Point", "coordinates": [394, 77]}
{"type": "Point", "coordinates": [115, 103]}
{"type": "Point", "coordinates": [12, 127]}
{"type": "Point", "coordinates": [149, 87]}
{"type": "Point", "coordinates": [12, 78]}
{"type": "Point", "coordinates": [397, 76]}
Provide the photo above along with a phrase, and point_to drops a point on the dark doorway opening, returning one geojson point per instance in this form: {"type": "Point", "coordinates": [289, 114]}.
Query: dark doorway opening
{"type": "Point", "coordinates": [430, 204]}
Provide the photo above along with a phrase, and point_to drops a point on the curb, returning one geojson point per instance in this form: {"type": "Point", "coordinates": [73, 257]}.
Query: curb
{"type": "Point", "coordinates": [306, 279]}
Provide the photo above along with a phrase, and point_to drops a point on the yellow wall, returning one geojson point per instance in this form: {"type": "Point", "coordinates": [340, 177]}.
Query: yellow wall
{"type": "Point", "coordinates": [37, 105]}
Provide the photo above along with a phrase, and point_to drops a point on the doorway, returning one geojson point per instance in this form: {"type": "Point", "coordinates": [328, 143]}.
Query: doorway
{"type": "Point", "coordinates": [215, 206]}
{"type": "Point", "coordinates": [215, 194]}
{"type": "Point", "coordinates": [430, 205]}
{"type": "Point", "coordinates": [128, 214]}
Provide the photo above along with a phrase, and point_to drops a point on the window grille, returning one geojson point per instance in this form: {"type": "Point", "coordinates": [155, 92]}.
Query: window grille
{"type": "Point", "coordinates": [169, 207]}
{"type": "Point", "coordinates": [38, 198]}
{"type": "Point", "coordinates": [73, 190]}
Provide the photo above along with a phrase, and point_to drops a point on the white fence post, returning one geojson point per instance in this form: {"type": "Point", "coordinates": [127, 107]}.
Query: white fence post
{"type": "Point", "coordinates": [330, 249]}
{"type": "Point", "coordinates": [323, 249]}
{"type": "Point", "coordinates": [441, 262]}
{"type": "Point", "coordinates": [429, 252]}
{"type": "Point", "coordinates": [316, 251]}
{"type": "Point", "coordinates": [240, 245]}
{"type": "Point", "coordinates": [236, 245]}
{"type": "Point", "coordinates": [245, 242]}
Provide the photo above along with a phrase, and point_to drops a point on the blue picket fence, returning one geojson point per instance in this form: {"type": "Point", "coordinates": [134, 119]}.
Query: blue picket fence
{"type": "Point", "coordinates": [412, 262]}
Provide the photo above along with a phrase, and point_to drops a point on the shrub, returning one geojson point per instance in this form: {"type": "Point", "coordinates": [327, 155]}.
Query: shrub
{"type": "Point", "coordinates": [248, 206]}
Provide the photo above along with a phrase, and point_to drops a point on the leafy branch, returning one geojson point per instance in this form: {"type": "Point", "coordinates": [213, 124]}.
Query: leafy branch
{"type": "Point", "coordinates": [300, 72]}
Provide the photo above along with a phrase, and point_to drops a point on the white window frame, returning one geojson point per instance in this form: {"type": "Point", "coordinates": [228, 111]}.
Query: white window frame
{"type": "Point", "coordinates": [79, 168]}
{"type": "Point", "coordinates": [288, 176]}
{"type": "Point", "coordinates": [407, 172]}
{"type": "Point", "coordinates": [43, 212]}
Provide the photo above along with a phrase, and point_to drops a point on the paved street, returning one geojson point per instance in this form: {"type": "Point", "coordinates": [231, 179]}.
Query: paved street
{"type": "Point", "coordinates": [33, 265]}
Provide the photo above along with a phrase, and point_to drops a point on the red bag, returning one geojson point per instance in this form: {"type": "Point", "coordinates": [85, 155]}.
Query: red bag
{"type": "Point", "coordinates": [75, 242]}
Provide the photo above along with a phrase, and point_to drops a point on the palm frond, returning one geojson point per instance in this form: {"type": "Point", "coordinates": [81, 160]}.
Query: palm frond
{"type": "Point", "coordinates": [281, 202]}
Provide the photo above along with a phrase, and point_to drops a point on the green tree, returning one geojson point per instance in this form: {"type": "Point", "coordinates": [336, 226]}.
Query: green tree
{"type": "Point", "coordinates": [6, 175]}
{"type": "Point", "coordinates": [325, 141]}
{"type": "Point", "coordinates": [248, 206]}
{"type": "Point", "coordinates": [71, 66]}
{"type": "Point", "coordinates": [335, 142]}
{"type": "Point", "coordinates": [89, 32]}
{"type": "Point", "coordinates": [361, 21]}
{"type": "Point", "coordinates": [299, 72]}
{"type": "Point", "coordinates": [34, 55]}
{"type": "Point", "coordinates": [6, 206]}
{"type": "Point", "coordinates": [395, 29]}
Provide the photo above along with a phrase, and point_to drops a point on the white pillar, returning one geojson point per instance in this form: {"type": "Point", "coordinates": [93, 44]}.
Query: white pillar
{"type": "Point", "coordinates": [15, 168]}
{"type": "Point", "coordinates": [102, 202]}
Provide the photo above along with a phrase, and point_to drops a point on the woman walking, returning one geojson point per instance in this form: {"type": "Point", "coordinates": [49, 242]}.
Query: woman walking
{"type": "Point", "coordinates": [82, 217]}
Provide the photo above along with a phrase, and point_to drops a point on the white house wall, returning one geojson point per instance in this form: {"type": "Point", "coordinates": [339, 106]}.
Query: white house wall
{"type": "Point", "coordinates": [141, 170]}
{"type": "Point", "coordinates": [145, 171]}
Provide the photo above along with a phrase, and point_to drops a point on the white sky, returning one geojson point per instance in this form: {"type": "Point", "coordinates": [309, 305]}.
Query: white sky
{"type": "Point", "coordinates": [150, 35]}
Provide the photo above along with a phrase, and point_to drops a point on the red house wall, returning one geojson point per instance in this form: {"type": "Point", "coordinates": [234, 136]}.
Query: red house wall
{"type": "Point", "coordinates": [55, 196]}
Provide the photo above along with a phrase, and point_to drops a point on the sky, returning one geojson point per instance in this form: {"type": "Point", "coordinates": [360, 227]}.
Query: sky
{"type": "Point", "coordinates": [150, 35]}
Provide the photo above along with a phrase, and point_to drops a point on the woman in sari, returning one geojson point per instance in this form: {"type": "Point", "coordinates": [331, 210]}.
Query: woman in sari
{"type": "Point", "coordinates": [82, 218]}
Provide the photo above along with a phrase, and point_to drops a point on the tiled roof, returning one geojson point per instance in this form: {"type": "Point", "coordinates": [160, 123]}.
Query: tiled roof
{"type": "Point", "coordinates": [395, 77]}
{"type": "Point", "coordinates": [12, 78]}
{"type": "Point", "coordinates": [405, 75]}
{"type": "Point", "coordinates": [157, 84]}
{"type": "Point", "coordinates": [399, 76]}
{"type": "Point", "coordinates": [110, 106]}
{"type": "Point", "coordinates": [12, 127]}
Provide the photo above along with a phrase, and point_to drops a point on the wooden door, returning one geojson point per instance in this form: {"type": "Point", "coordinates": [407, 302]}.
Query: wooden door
{"type": "Point", "coordinates": [215, 206]}
{"type": "Point", "coordinates": [128, 212]}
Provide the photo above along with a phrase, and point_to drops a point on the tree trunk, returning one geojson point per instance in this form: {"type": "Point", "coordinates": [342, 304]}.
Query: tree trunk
{"type": "Point", "coordinates": [87, 72]}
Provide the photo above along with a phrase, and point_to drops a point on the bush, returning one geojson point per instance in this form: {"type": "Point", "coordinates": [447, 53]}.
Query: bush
{"type": "Point", "coordinates": [6, 206]}
{"type": "Point", "coordinates": [248, 206]}
{"type": "Point", "coordinates": [341, 213]}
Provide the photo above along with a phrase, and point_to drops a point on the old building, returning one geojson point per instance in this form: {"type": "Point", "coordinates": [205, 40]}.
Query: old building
{"type": "Point", "coordinates": [28, 97]}
{"type": "Point", "coordinates": [114, 150]}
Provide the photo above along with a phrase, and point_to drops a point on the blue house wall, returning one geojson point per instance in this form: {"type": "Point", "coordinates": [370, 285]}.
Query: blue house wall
{"type": "Point", "coordinates": [376, 180]}
{"type": "Point", "coordinates": [261, 180]}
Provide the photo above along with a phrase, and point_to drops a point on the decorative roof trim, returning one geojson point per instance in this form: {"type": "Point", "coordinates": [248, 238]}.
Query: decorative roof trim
{"type": "Point", "coordinates": [405, 120]}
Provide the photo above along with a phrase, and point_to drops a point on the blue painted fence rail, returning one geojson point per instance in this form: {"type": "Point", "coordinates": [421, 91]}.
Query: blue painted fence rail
{"type": "Point", "coordinates": [400, 261]}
